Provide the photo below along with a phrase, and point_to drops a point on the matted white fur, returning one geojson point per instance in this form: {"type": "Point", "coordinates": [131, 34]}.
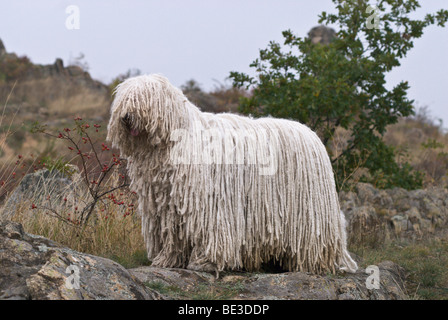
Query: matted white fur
{"type": "Point", "coordinates": [201, 207]}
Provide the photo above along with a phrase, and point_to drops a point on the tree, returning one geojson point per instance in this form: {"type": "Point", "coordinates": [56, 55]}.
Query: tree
{"type": "Point", "coordinates": [79, 61]}
{"type": "Point", "coordinates": [342, 85]}
{"type": "Point", "coordinates": [122, 77]}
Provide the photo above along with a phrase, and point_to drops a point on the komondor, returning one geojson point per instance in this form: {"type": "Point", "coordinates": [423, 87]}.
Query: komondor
{"type": "Point", "coordinates": [226, 192]}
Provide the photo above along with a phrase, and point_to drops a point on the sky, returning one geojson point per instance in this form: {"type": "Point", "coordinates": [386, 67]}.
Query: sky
{"type": "Point", "coordinates": [197, 39]}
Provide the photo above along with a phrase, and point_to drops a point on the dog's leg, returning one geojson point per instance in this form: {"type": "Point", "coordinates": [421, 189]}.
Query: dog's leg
{"type": "Point", "coordinates": [167, 259]}
{"type": "Point", "coordinates": [199, 262]}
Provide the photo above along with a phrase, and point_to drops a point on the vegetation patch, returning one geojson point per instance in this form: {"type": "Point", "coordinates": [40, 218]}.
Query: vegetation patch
{"type": "Point", "coordinates": [426, 264]}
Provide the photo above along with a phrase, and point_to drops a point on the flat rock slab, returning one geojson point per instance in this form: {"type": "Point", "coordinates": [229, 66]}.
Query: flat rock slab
{"type": "Point", "coordinates": [33, 267]}
{"type": "Point", "coordinates": [184, 284]}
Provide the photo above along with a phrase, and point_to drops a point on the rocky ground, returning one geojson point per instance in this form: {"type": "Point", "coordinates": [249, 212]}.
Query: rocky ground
{"type": "Point", "coordinates": [186, 284]}
{"type": "Point", "coordinates": [378, 216]}
{"type": "Point", "coordinates": [33, 267]}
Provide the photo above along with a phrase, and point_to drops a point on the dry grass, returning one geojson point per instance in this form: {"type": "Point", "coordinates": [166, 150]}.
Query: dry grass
{"type": "Point", "coordinates": [111, 235]}
{"type": "Point", "coordinates": [210, 291]}
{"type": "Point", "coordinates": [337, 145]}
{"type": "Point", "coordinates": [419, 140]}
{"type": "Point", "coordinates": [426, 264]}
{"type": "Point", "coordinates": [48, 100]}
{"type": "Point", "coordinates": [52, 209]}
{"type": "Point", "coordinates": [422, 142]}
{"type": "Point", "coordinates": [108, 233]}
{"type": "Point", "coordinates": [224, 98]}
{"type": "Point", "coordinates": [55, 98]}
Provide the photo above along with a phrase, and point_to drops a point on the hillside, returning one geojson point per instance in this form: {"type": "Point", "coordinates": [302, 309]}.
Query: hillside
{"type": "Point", "coordinates": [49, 91]}
{"type": "Point", "coordinates": [51, 94]}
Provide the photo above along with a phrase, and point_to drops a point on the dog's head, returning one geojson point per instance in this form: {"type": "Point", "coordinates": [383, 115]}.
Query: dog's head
{"type": "Point", "coordinates": [131, 124]}
{"type": "Point", "coordinates": [145, 110]}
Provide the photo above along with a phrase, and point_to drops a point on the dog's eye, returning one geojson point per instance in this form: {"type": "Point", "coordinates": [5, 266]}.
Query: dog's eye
{"type": "Point", "coordinates": [126, 120]}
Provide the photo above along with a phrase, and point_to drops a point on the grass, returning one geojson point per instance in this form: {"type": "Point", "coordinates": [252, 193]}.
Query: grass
{"type": "Point", "coordinates": [118, 238]}
{"type": "Point", "coordinates": [166, 289]}
{"type": "Point", "coordinates": [211, 291]}
{"type": "Point", "coordinates": [423, 142]}
{"type": "Point", "coordinates": [53, 211]}
{"type": "Point", "coordinates": [426, 264]}
{"type": "Point", "coordinates": [136, 259]}
{"type": "Point", "coordinates": [217, 291]}
{"type": "Point", "coordinates": [56, 98]}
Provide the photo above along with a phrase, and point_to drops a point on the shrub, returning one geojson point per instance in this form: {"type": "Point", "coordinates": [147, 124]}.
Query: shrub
{"type": "Point", "coordinates": [96, 212]}
{"type": "Point", "coordinates": [342, 85]}
{"type": "Point", "coordinates": [14, 68]}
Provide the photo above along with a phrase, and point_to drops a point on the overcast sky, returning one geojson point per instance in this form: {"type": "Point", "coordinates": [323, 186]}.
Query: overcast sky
{"type": "Point", "coordinates": [203, 40]}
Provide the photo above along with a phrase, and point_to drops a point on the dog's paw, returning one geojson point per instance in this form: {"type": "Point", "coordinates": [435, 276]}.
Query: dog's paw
{"type": "Point", "coordinates": [203, 266]}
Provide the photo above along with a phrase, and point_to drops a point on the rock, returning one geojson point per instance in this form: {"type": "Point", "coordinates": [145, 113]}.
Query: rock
{"type": "Point", "coordinates": [32, 267]}
{"type": "Point", "coordinates": [75, 71]}
{"type": "Point", "coordinates": [322, 34]}
{"type": "Point", "coordinates": [59, 65]}
{"type": "Point", "coordinates": [35, 268]}
{"type": "Point", "coordinates": [185, 279]}
{"type": "Point", "coordinates": [2, 48]}
{"type": "Point", "coordinates": [394, 212]}
{"type": "Point", "coordinates": [184, 284]}
{"type": "Point", "coordinates": [366, 192]}
{"type": "Point", "coordinates": [400, 223]}
{"type": "Point", "coordinates": [38, 185]}
{"type": "Point", "coordinates": [365, 226]}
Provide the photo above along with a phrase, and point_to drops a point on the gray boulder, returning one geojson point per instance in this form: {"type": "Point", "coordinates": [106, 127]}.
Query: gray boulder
{"type": "Point", "coordinates": [322, 34]}
{"type": "Point", "coordinates": [36, 268]}
{"type": "Point", "coordinates": [36, 186]}
{"type": "Point", "coordinates": [394, 213]}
